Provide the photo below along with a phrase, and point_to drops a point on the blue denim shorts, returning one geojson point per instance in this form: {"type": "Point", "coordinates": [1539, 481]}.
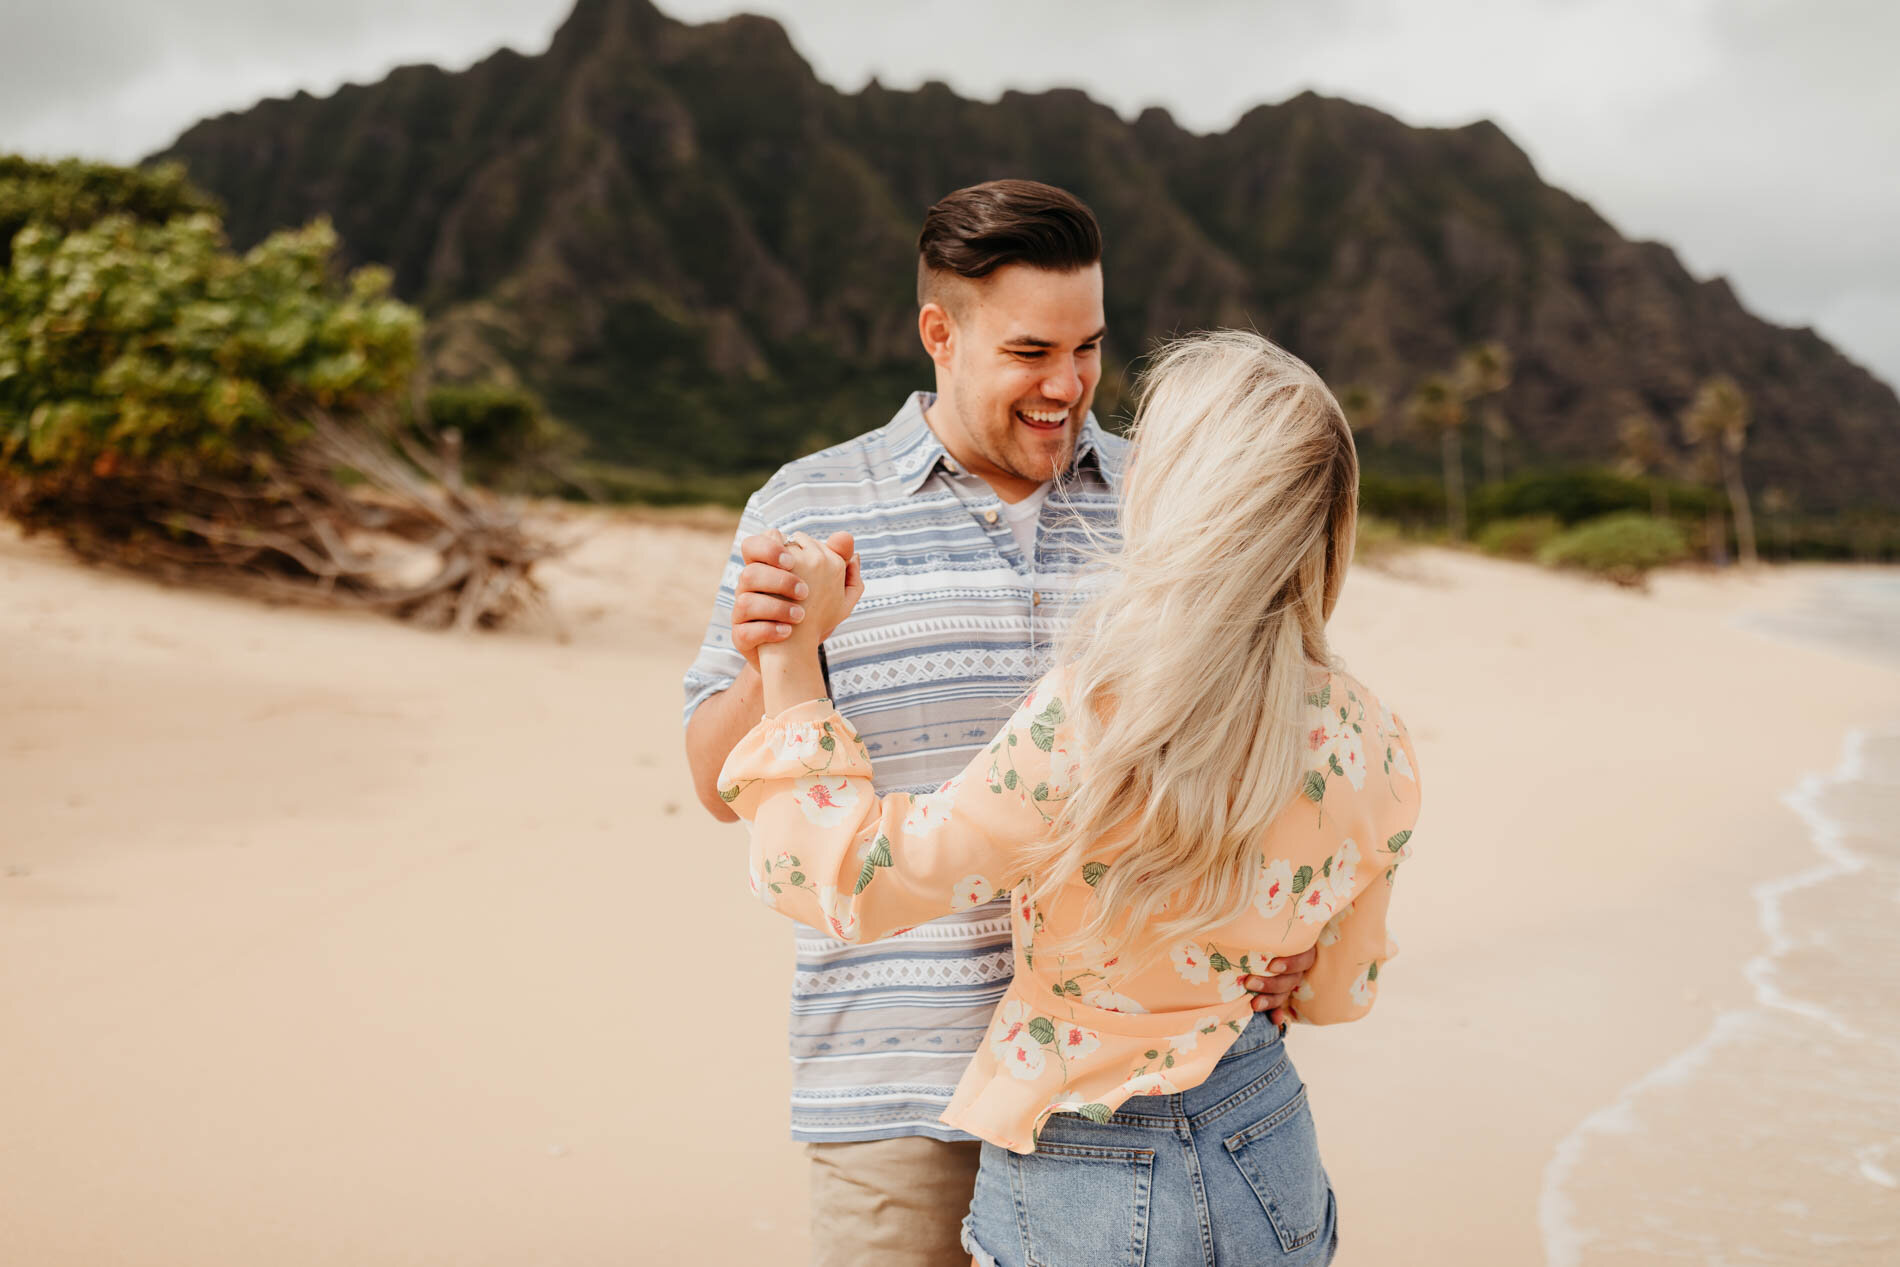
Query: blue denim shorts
{"type": "Point", "coordinates": [1226, 1172]}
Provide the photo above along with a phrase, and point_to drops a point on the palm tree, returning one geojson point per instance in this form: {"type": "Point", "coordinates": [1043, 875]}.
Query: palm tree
{"type": "Point", "coordinates": [1717, 421]}
{"type": "Point", "coordinates": [1644, 456]}
{"type": "Point", "coordinates": [1495, 428]}
{"type": "Point", "coordinates": [1484, 371]}
{"type": "Point", "coordinates": [1705, 468]}
{"type": "Point", "coordinates": [1438, 405]}
{"type": "Point", "coordinates": [1776, 503]}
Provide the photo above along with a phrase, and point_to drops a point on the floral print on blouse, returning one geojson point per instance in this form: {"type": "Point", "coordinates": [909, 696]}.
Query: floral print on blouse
{"type": "Point", "coordinates": [1083, 1032]}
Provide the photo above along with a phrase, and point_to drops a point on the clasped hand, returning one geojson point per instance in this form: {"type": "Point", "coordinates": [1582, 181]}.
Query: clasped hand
{"type": "Point", "coordinates": [833, 584]}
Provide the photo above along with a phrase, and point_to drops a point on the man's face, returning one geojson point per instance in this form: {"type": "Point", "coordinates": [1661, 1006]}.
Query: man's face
{"type": "Point", "coordinates": [1018, 370]}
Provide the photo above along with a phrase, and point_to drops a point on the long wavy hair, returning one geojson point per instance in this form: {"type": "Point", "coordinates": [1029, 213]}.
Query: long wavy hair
{"type": "Point", "coordinates": [1194, 657]}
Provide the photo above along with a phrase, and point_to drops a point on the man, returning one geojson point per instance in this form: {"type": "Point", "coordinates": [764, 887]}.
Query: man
{"type": "Point", "coordinates": [970, 513]}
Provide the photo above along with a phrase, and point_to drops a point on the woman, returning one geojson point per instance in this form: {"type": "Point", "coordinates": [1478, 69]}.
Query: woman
{"type": "Point", "coordinates": [1197, 790]}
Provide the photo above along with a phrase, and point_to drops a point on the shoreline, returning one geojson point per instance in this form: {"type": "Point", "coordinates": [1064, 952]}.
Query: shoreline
{"type": "Point", "coordinates": [1664, 849]}
{"type": "Point", "coordinates": [1850, 613]}
{"type": "Point", "coordinates": [1565, 1242]}
{"type": "Point", "coordinates": [333, 939]}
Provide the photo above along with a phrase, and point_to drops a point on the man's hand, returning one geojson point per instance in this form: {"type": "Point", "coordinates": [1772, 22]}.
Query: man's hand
{"type": "Point", "coordinates": [834, 587]}
{"type": "Point", "coordinates": [767, 600]}
{"type": "Point", "coordinates": [767, 605]}
{"type": "Point", "coordinates": [1270, 994]}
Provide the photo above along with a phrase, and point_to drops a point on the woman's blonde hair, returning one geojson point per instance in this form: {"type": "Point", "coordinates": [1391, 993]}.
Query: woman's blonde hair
{"type": "Point", "coordinates": [1193, 661]}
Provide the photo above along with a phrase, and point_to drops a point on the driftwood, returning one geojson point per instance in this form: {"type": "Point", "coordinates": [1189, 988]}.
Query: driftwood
{"type": "Point", "coordinates": [332, 524]}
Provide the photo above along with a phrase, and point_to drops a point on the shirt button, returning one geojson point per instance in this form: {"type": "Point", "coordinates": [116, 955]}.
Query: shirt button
{"type": "Point", "coordinates": [1035, 598]}
{"type": "Point", "coordinates": [989, 516]}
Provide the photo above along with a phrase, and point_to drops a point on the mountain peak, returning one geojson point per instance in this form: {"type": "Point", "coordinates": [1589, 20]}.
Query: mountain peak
{"type": "Point", "coordinates": [594, 23]}
{"type": "Point", "coordinates": [702, 255]}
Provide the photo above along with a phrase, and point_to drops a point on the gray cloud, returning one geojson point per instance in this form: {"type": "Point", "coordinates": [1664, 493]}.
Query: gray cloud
{"type": "Point", "coordinates": [119, 79]}
{"type": "Point", "coordinates": [1757, 137]}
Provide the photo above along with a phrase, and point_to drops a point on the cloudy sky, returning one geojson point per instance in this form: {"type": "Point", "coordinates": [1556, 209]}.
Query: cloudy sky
{"type": "Point", "coordinates": [1760, 138]}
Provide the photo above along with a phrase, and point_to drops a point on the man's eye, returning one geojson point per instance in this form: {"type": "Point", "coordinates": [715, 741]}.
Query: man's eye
{"type": "Point", "coordinates": [1088, 349]}
{"type": "Point", "coordinates": [1031, 355]}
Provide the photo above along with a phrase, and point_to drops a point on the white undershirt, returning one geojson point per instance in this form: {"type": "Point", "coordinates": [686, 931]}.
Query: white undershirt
{"type": "Point", "coordinates": [1022, 517]}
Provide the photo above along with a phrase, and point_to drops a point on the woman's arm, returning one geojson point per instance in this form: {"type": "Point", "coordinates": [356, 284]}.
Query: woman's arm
{"type": "Point", "coordinates": [1354, 947]}
{"type": "Point", "coordinates": [826, 849]}
{"type": "Point", "coordinates": [789, 670]}
{"type": "Point", "coordinates": [790, 678]}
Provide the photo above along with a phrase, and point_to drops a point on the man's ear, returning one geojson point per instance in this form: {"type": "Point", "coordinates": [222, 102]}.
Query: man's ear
{"type": "Point", "coordinates": [938, 331]}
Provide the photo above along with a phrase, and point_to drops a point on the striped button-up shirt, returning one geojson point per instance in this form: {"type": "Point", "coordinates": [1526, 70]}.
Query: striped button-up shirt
{"type": "Point", "coordinates": [955, 625]}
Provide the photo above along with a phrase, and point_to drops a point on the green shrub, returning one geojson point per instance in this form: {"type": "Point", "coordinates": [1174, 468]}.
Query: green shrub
{"type": "Point", "coordinates": [1569, 496]}
{"type": "Point", "coordinates": [638, 486]}
{"type": "Point", "coordinates": [129, 343]}
{"type": "Point", "coordinates": [1866, 536]}
{"type": "Point", "coordinates": [508, 441]}
{"type": "Point", "coordinates": [1376, 537]}
{"type": "Point", "coordinates": [171, 406]}
{"type": "Point", "coordinates": [491, 417]}
{"type": "Point", "coordinates": [1621, 546]}
{"type": "Point", "coordinates": [74, 194]}
{"type": "Point", "coordinates": [1407, 499]}
{"type": "Point", "coordinates": [1519, 538]}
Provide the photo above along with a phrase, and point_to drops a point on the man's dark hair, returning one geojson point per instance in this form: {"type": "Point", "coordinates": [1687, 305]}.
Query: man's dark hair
{"type": "Point", "coordinates": [975, 231]}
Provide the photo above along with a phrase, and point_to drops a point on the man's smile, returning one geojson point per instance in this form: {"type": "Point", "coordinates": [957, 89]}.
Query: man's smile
{"type": "Point", "coordinates": [1043, 419]}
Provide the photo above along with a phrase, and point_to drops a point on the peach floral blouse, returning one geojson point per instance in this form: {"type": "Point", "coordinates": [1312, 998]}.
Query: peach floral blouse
{"type": "Point", "coordinates": [1081, 1033]}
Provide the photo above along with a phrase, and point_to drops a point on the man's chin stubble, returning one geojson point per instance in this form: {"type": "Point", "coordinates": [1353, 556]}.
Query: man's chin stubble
{"type": "Point", "coordinates": [1040, 470]}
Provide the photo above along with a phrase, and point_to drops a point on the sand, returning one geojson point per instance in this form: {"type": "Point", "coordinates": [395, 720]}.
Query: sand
{"type": "Point", "coordinates": [326, 940]}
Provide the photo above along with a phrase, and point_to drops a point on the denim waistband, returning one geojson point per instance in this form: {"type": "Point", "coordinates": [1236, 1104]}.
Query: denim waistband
{"type": "Point", "coordinates": [1259, 1032]}
{"type": "Point", "coordinates": [1256, 1060]}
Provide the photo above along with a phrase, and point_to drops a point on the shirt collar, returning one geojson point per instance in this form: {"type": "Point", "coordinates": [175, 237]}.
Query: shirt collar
{"type": "Point", "coordinates": [916, 450]}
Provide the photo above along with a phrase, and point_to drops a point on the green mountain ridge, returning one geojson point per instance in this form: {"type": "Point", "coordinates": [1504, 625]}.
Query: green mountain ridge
{"type": "Point", "coordinates": [703, 256]}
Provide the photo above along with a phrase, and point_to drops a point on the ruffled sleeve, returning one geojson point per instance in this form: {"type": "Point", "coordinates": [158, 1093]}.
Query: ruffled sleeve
{"type": "Point", "coordinates": [827, 850]}
{"type": "Point", "coordinates": [1355, 945]}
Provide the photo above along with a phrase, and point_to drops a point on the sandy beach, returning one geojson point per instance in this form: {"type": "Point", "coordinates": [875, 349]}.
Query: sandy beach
{"type": "Point", "coordinates": [327, 940]}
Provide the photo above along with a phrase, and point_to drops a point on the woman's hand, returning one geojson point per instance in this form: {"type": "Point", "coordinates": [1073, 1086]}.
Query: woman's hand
{"type": "Point", "coordinates": [789, 671]}
{"type": "Point", "coordinates": [835, 585]}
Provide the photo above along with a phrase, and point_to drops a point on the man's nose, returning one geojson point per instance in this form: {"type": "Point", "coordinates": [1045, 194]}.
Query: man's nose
{"type": "Point", "coordinates": [1063, 382]}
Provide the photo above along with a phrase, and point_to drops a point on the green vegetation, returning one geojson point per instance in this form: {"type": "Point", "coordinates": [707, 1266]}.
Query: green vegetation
{"type": "Point", "coordinates": [1376, 538]}
{"type": "Point", "coordinates": [640, 486]}
{"type": "Point", "coordinates": [1643, 455]}
{"type": "Point", "coordinates": [74, 194]}
{"type": "Point", "coordinates": [1413, 501]}
{"type": "Point", "coordinates": [1716, 423]}
{"type": "Point", "coordinates": [1699, 496]}
{"type": "Point", "coordinates": [1516, 517]}
{"type": "Point", "coordinates": [505, 437]}
{"type": "Point", "coordinates": [1439, 409]}
{"type": "Point", "coordinates": [1519, 538]}
{"type": "Point", "coordinates": [128, 342]}
{"type": "Point", "coordinates": [1622, 547]}
{"type": "Point", "coordinates": [1572, 496]}
{"type": "Point", "coordinates": [1858, 536]}
{"type": "Point", "coordinates": [169, 405]}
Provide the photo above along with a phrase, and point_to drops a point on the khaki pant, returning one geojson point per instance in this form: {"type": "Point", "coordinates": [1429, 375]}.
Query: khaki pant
{"type": "Point", "coordinates": [891, 1202]}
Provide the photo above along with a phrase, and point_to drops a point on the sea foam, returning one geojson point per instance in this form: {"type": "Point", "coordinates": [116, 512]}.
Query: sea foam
{"type": "Point", "coordinates": [1776, 1137]}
